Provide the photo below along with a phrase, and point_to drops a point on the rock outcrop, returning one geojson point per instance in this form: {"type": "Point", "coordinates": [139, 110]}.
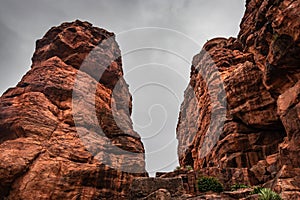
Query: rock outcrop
{"type": "Point", "coordinates": [241, 109]}
{"type": "Point", "coordinates": [65, 129]}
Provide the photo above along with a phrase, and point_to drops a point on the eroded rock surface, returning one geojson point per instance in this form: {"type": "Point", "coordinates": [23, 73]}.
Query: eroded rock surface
{"type": "Point", "coordinates": [149, 188]}
{"type": "Point", "coordinates": [65, 129]}
{"type": "Point", "coordinates": [241, 109]}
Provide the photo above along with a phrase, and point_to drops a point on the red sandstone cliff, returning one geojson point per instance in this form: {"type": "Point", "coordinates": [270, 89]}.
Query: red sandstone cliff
{"type": "Point", "coordinates": [65, 129]}
{"type": "Point", "coordinates": [241, 109]}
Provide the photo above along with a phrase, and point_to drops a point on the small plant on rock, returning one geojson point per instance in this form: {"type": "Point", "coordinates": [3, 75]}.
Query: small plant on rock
{"type": "Point", "coordinates": [238, 186]}
{"type": "Point", "coordinates": [256, 190]}
{"type": "Point", "coordinates": [177, 168]}
{"type": "Point", "coordinates": [189, 168]}
{"type": "Point", "coordinates": [206, 184]}
{"type": "Point", "coordinates": [268, 194]}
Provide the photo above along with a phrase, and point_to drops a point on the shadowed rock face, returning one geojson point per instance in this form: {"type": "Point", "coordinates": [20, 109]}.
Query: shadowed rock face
{"type": "Point", "coordinates": [253, 83]}
{"type": "Point", "coordinates": [65, 130]}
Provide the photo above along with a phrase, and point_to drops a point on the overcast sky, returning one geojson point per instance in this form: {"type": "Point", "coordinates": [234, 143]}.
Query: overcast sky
{"type": "Point", "coordinates": [158, 39]}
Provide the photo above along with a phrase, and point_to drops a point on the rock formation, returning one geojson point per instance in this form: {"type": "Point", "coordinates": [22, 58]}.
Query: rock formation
{"type": "Point", "coordinates": [241, 109]}
{"type": "Point", "coordinates": [66, 132]}
{"type": "Point", "coordinates": [65, 129]}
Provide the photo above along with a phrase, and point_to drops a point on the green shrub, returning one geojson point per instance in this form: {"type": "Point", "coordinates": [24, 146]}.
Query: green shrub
{"type": "Point", "coordinates": [209, 184]}
{"type": "Point", "coordinates": [275, 36]}
{"type": "Point", "coordinates": [238, 186]}
{"type": "Point", "coordinates": [268, 194]}
{"type": "Point", "coordinates": [189, 168]}
{"type": "Point", "coordinates": [177, 168]}
{"type": "Point", "coordinates": [256, 190]}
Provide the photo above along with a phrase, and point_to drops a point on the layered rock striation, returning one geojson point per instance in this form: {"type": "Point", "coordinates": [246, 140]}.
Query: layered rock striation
{"type": "Point", "coordinates": [241, 108]}
{"type": "Point", "coordinates": [65, 129]}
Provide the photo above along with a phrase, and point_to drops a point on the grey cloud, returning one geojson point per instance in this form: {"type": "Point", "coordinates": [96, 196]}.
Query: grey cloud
{"type": "Point", "coordinates": [12, 62]}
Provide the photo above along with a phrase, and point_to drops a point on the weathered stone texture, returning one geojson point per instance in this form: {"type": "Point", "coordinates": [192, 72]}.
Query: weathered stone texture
{"type": "Point", "coordinates": [241, 108]}
{"type": "Point", "coordinates": [61, 136]}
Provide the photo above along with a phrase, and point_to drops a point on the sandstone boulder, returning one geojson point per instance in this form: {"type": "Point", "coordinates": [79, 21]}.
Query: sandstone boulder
{"type": "Point", "coordinates": [65, 129]}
